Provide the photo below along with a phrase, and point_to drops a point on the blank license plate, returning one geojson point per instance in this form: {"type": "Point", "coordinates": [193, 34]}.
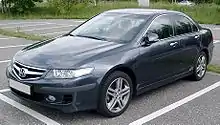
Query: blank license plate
{"type": "Point", "coordinates": [20, 87]}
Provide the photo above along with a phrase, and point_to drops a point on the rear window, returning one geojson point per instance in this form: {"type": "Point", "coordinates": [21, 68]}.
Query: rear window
{"type": "Point", "coordinates": [194, 28]}
{"type": "Point", "coordinates": [182, 25]}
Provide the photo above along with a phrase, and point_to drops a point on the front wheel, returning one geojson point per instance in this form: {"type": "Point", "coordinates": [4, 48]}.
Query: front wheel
{"type": "Point", "coordinates": [200, 67]}
{"type": "Point", "coordinates": [115, 94]}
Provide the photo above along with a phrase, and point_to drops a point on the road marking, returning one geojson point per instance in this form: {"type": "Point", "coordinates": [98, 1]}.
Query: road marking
{"type": "Point", "coordinates": [4, 90]}
{"type": "Point", "coordinates": [8, 38]}
{"type": "Point", "coordinates": [216, 41]}
{"type": "Point", "coordinates": [4, 61]}
{"type": "Point", "coordinates": [49, 28]}
{"type": "Point", "coordinates": [29, 111]}
{"type": "Point", "coordinates": [79, 21]}
{"type": "Point", "coordinates": [13, 46]}
{"type": "Point", "coordinates": [60, 32]}
{"type": "Point", "coordinates": [166, 109]}
{"type": "Point", "coordinates": [23, 23]}
{"type": "Point", "coordinates": [22, 26]}
{"type": "Point", "coordinates": [216, 28]}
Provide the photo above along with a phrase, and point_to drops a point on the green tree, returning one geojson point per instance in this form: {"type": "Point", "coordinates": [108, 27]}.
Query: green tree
{"type": "Point", "coordinates": [18, 6]}
{"type": "Point", "coordinates": [217, 2]}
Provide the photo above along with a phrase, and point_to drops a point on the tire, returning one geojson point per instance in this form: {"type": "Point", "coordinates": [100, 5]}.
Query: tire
{"type": "Point", "coordinates": [196, 76]}
{"type": "Point", "coordinates": [110, 81]}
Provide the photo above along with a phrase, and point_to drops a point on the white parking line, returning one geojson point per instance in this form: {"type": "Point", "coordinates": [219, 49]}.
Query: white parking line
{"type": "Point", "coordinates": [216, 28]}
{"type": "Point", "coordinates": [4, 61]}
{"type": "Point", "coordinates": [22, 26]}
{"type": "Point", "coordinates": [173, 106]}
{"type": "Point", "coordinates": [53, 33]}
{"type": "Point", "coordinates": [4, 90]}
{"type": "Point", "coordinates": [13, 46]}
{"type": "Point", "coordinates": [29, 111]}
{"type": "Point", "coordinates": [21, 23]}
{"type": "Point", "coordinates": [8, 38]}
{"type": "Point", "coordinates": [216, 41]}
{"type": "Point", "coordinates": [79, 21]}
{"type": "Point", "coordinates": [47, 28]}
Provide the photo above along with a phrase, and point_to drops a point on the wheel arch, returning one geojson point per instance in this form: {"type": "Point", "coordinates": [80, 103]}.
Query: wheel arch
{"type": "Point", "coordinates": [207, 54]}
{"type": "Point", "coordinates": [126, 70]}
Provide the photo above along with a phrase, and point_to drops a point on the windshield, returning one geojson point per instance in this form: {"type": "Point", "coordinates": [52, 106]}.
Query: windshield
{"type": "Point", "coordinates": [116, 27]}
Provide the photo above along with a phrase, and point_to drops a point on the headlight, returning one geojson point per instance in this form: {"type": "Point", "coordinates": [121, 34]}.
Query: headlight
{"type": "Point", "coordinates": [66, 74]}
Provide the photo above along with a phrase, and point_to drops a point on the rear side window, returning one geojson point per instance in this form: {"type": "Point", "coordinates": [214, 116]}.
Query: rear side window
{"type": "Point", "coordinates": [183, 25]}
{"type": "Point", "coordinates": [162, 26]}
{"type": "Point", "coordinates": [194, 28]}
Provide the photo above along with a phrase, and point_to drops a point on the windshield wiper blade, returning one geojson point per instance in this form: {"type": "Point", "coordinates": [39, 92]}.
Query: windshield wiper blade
{"type": "Point", "coordinates": [92, 37]}
{"type": "Point", "coordinates": [70, 34]}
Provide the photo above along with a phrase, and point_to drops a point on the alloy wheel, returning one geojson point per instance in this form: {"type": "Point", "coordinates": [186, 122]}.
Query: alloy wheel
{"type": "Point", "coordinates": [117, 95]}
{"type": "Point", "coordinates": [201, 66]}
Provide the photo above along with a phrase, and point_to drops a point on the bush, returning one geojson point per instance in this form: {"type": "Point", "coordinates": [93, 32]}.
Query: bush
{"type": "Point", "coordinates": [196, 1]}
{"type": "Point", "coordinates": [54, 9]}
{"type": "Point", "coordinates": [217, 2]}
{"type": "Point", "coordinates": [18, 6]}
{"type": "Point", "coordinates": [65, 6]}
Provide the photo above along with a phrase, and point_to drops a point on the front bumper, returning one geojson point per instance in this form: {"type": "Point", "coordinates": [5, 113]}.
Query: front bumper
{"type": "Point", "coordinates": [71, 95]}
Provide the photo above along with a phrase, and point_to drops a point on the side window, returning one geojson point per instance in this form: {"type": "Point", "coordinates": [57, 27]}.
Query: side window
{"type": "Point", "coordinates": [194, 28]}
{"type": "Point", "coordinates": [183, 25]}
{"type": "Point", "coordinates": [162, 26]}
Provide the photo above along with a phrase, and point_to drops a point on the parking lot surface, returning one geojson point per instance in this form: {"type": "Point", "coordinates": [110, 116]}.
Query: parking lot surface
{"type": "Point", "coordinates": [197, 112]}
{"type": "Point", "coordinates": [41, 27]}
{"type": "Point", "coordinates": [56, 27]}
{"type": "Point", "coordinates": [203, 109]}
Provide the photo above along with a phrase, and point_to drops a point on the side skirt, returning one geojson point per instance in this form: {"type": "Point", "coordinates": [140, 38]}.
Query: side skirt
{"type": "Point", "coordinates": [163, 82]}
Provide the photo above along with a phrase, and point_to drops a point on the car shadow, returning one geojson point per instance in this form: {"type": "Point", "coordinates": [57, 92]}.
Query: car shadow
{"type": "Point", "coordinates": [159, 89]}
{"type": "Point", "coordinates": [92, 117]}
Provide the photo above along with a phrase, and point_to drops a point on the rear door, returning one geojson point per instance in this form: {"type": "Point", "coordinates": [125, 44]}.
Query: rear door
{"type": "Point", "coordinates": [188, 35]}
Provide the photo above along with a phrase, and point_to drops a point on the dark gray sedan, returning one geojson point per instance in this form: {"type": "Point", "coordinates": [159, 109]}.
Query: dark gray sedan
{"type": "Point", "coordinates": [107, 60]}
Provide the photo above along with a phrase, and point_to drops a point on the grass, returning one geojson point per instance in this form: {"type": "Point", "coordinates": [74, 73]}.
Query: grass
{"type": "Point", "coordinates": [21, 35]}
{"type": "Point", "coordinates": [203, 13]}
{"type": "Point", "coordinates": [214, 68]}
{"type": "Point", "coordinates": [79, 11]}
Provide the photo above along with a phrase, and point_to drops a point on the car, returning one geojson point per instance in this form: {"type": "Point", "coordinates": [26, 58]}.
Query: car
{"type": "Point", "coordinates": [186, 3]}
{"type": "Point", "coordinates": [110, 58]}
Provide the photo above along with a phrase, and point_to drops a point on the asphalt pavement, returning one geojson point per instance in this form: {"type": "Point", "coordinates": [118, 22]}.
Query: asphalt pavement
{"type": "Point", "coordinates": [41, 27]}
{"type": "Point", "coordinates": [216, 54]}
{"type": "Point", "coordinates": [204, 110]}
{"type": "Point", "coordinates": [183, 102]}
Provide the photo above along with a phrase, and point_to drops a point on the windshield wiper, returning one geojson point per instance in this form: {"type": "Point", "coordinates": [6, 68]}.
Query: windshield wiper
{"type": "Point", "coordinates": [91, 37]}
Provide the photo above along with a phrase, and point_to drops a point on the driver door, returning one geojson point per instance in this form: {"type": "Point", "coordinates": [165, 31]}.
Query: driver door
{"type": "Point", "coordinates": [159, 60]}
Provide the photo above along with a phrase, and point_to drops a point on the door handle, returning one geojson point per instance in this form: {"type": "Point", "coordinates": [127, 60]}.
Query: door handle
{"type": "Point", "coordinates": [173, 44]}
{"type": "Point", "coordinates": [196, 36]}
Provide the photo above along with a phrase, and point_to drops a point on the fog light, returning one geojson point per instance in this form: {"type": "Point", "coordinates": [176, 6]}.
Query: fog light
{"type": "Point", "coordinates": [51, 98]}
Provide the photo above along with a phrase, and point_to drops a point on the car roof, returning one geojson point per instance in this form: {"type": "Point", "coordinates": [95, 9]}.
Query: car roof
{"type": "Point", "coordinates": [142, 11]}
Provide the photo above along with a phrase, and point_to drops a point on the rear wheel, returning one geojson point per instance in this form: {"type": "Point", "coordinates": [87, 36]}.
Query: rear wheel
{"type": "Point", "coordinates": [116, 94]}
{"type": "Point", "coordinates": [200, 67]}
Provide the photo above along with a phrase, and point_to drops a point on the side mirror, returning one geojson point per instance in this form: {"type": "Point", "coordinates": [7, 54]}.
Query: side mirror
{"type": "Point", "coordinates": [150, 38]}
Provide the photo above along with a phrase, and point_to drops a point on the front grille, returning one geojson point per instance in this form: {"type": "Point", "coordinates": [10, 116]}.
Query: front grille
{"type": "Point", "coordinates": [24, 72]}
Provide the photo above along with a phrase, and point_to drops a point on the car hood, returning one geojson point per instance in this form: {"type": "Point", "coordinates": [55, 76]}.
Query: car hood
{"type": "Point", "coordinates": [64, 52]}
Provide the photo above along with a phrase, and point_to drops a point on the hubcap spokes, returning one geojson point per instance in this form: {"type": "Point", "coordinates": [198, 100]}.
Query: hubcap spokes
{"type": "Point", "coordinates": [201, 66]}
{"type": "Point", "coordinates": [117, 95]}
